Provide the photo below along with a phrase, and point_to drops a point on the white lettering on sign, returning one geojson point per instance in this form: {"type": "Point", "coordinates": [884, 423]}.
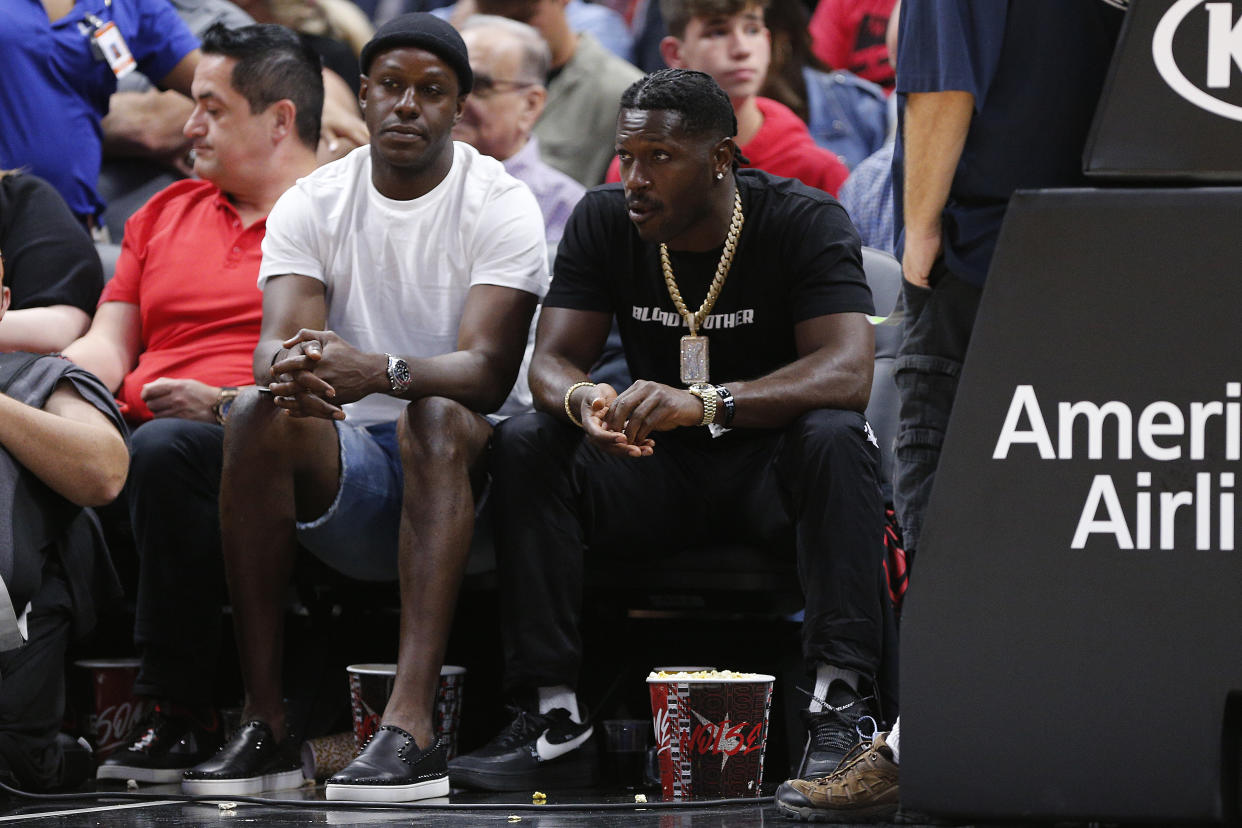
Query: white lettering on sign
{"type": "Point", "coordinates": [1224, 50]}
{"type": "Point", "coordinates": [1161, 431]}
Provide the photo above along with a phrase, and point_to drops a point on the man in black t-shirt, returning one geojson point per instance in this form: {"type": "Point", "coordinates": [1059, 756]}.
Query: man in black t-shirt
{"type": "Point", "coordinates": [50, 264]}
{"type": "Point", "coordinates": [780, 447]}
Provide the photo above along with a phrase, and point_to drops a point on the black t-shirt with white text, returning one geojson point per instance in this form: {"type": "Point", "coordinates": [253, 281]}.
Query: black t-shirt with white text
{"type": "Point", "coordinates": [798, 258]}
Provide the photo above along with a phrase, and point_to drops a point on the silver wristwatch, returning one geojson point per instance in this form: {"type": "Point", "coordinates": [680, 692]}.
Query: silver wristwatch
{"type": "Point", "coordinates": [399, 379]}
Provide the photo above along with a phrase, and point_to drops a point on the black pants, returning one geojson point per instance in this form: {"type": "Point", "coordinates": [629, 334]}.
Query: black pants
{"type": "Point", "coordinates": [556, 494]}
{"type": "Point", "coordinates": [32, 689]}
{"type": "Point", "coordinates": [937, 326]}
{"type": "Point", "coordinates": [173, 495]}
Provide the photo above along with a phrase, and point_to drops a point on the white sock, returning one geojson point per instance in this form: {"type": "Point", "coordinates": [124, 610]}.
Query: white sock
{"type": "Point", "coordinates": [892, 740]}
{"type": "Point", "coordinates": [560, 695]}
{"type": "Point", "coordinates": [825, 674]}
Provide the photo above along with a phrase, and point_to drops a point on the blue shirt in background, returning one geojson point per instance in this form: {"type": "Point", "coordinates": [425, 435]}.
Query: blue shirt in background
{"type": "Point", "coordinates": [54, 91]}
{"type": "Point", "coordinates": [1035, 68]}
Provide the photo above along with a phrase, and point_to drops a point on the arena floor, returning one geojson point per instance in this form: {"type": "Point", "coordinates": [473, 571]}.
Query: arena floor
{"type": "Point", "coordinates": [597, 808]}
{"type": "Point", "coordinates": [583, 808]}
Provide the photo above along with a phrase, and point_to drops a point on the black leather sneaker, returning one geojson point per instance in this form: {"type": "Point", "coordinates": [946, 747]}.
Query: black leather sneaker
{"type": "Point", "coordinates": [392, 768]}
{"type": "Point", "coordinates": [162, 747]}
{"type": "Point", "coordinates": [832, 732]}
{"type": "Point", "coordinates": [534, 751]}
{"type": "Point", "coordinates": [249, 763]}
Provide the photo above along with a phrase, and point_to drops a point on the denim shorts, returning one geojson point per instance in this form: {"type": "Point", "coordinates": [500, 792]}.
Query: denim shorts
{"type": "Point", "coordinates": [357, 536]}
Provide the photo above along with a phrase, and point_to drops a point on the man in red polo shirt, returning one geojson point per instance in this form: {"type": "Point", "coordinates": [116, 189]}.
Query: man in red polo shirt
{"type": "Point", "coordinates": [173, 337]}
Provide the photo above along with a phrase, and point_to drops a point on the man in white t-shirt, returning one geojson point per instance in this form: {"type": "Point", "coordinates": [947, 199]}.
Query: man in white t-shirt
{"type": "Point", "coordinates": [398, 289]}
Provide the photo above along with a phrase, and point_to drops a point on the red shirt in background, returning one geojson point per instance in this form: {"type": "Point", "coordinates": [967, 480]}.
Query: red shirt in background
{"type": "Point", "coordinates": [192, 269]}
{"type": "Point", "coordinates": [783, 147]}
{"type": "Point", "coordinates": [849, 34]}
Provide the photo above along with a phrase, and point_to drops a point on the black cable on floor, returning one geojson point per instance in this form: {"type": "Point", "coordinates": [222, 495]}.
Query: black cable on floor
{"type": "Point", "coordinates": [317, 804]}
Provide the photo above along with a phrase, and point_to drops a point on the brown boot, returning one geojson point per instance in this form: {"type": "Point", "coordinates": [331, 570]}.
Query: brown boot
{"type": "Point", "coordinates": [863, 788]}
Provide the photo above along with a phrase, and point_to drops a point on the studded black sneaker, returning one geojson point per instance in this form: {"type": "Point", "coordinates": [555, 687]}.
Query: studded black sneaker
{"type": "Point", "coordinates": [392, 768]}
{"type": "Point", "coordinates": [162, 747]}
{"type": "Point", "coordinates": [534, 751]}
{"type": "Point", "coordinates": [833, 731]}
{"type": "Point", "coordinates": [249, 763]}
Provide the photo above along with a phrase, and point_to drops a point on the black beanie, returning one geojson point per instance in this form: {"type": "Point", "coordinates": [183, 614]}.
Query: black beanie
{"type": "Point", "coordinates": [426, 31]}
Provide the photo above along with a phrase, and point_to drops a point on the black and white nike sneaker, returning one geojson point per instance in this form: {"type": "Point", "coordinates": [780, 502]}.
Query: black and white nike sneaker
{"type": "Point", "coordinates": [535, 751]}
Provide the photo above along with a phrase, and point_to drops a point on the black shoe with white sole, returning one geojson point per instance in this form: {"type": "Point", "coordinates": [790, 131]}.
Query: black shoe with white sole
{"type": "Point", "coordinates": [534, 751]}
{"type": "Point", "coordinates": [392, 768]}
{"type": "Point", "coordinates": [249, 763]}
{"type": "Point", "coordinates": [162, 747]}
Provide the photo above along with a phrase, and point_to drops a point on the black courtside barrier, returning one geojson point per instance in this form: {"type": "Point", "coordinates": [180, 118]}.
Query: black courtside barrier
{"type": "Point", "coordinates": [1073, 630]}
{"type": "Point", "coordinates": [1072, 637]}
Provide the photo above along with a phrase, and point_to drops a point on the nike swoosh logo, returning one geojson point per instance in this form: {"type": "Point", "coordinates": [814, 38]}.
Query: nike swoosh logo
{"type": "Point", "coordinates": [546, 751]}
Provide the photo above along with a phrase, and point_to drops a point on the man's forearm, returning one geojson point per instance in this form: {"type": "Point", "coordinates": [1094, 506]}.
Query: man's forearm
{"type": "Point", "coordinates": [936, 124]}
{"type": "Point", "coordinates": [42, 330]}
{"type": "Point", "coordinates": [550, 377]}
{"type": "Point", "coordinates": [146, 124]}
{"type": "Point", "coordinates": [834, 371]}
{"type": "Point", "coordinates": [84, 462]}
{"type": "Point", "coordinates": [104, 359]}
{"type": "Point", "coordinates": [266, 354]}
{"type": "Point", "coordinates": [777, 399]}
{"type": "Point", "coordinates": [475, 379]}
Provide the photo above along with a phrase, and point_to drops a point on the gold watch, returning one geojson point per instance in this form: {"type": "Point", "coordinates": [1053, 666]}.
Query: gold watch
{"type": "Point", "coordinates": [709, 396]}
{"type": "Point", "coordinates": [224, 400]}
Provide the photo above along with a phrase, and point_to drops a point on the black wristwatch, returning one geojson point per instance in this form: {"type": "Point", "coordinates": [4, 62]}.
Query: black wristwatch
{"type": "Point", "coordinates": [726, 402]}
{"type": "Point", "coordinates": [399, 379]}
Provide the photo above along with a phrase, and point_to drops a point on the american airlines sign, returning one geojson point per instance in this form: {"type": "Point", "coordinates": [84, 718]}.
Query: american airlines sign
{"type": "Point", "coordinates": [1201, 77]}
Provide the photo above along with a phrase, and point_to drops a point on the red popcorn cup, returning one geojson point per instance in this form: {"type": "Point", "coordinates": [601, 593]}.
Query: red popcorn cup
{"type": "Point", "coordinates": [710, 733]}
{"type": "Point", "coordinates": [114, 710]}
{"type": "Point", "coordinates": [370, 685]}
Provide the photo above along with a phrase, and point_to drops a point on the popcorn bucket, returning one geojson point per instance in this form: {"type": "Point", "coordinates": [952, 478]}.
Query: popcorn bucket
{"type": "Point", "coordinates": [711, 732]}
{"type": "Point", "coordinates": [114, 710]}
{"type": "Point", "coordinates": [370, 685]}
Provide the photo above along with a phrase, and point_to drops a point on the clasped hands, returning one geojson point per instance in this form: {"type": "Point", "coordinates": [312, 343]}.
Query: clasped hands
{"type": "Point", "coordinates": [622, 424]}
{"type": "Point", "coordinates": [322, 372]}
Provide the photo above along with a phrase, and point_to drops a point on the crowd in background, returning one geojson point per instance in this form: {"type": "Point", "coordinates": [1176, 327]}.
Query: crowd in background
{"type": "Point", "coordinates": [132, 220]}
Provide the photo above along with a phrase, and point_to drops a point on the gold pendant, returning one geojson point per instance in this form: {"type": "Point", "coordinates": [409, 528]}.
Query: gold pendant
{"type": "Point", "coordinates": [694, 365]}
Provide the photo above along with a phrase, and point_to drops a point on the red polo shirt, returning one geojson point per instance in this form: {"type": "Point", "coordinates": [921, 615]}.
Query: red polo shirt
{"type": "Point", "coordinates": [192, 269]}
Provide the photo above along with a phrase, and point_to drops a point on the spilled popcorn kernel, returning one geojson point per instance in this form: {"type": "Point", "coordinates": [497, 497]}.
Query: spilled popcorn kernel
{"type": "Point", "coordinates": [228, 806]}
{"type": "Point", "coordinates": [640, 799]}
{"type": "Point", "coordinates": [514, 818]}
{"type": "Point", "coordinates": [539, 797]}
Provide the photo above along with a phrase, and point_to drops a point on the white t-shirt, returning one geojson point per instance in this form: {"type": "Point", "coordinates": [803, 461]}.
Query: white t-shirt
{"type": "Point", "coordinates": [396, 273]}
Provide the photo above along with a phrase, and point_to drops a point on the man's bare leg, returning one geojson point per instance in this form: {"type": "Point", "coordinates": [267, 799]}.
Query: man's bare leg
{"type": "Point", "coordinates": [443, 445]}
{"type": "Point", "coordinates": [277, 469]}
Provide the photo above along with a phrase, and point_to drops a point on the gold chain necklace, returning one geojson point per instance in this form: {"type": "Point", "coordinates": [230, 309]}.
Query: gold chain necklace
{"type": "Point", "coordinates": [694, 363]}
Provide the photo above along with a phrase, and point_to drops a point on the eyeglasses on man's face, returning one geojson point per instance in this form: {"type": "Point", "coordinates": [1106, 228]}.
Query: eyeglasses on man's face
{"type": "Point", "coordinates": [487, 87]}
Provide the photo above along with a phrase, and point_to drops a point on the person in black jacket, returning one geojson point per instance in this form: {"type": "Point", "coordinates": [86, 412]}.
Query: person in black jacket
{"type": "Point", "coordinates": [62, 449]}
